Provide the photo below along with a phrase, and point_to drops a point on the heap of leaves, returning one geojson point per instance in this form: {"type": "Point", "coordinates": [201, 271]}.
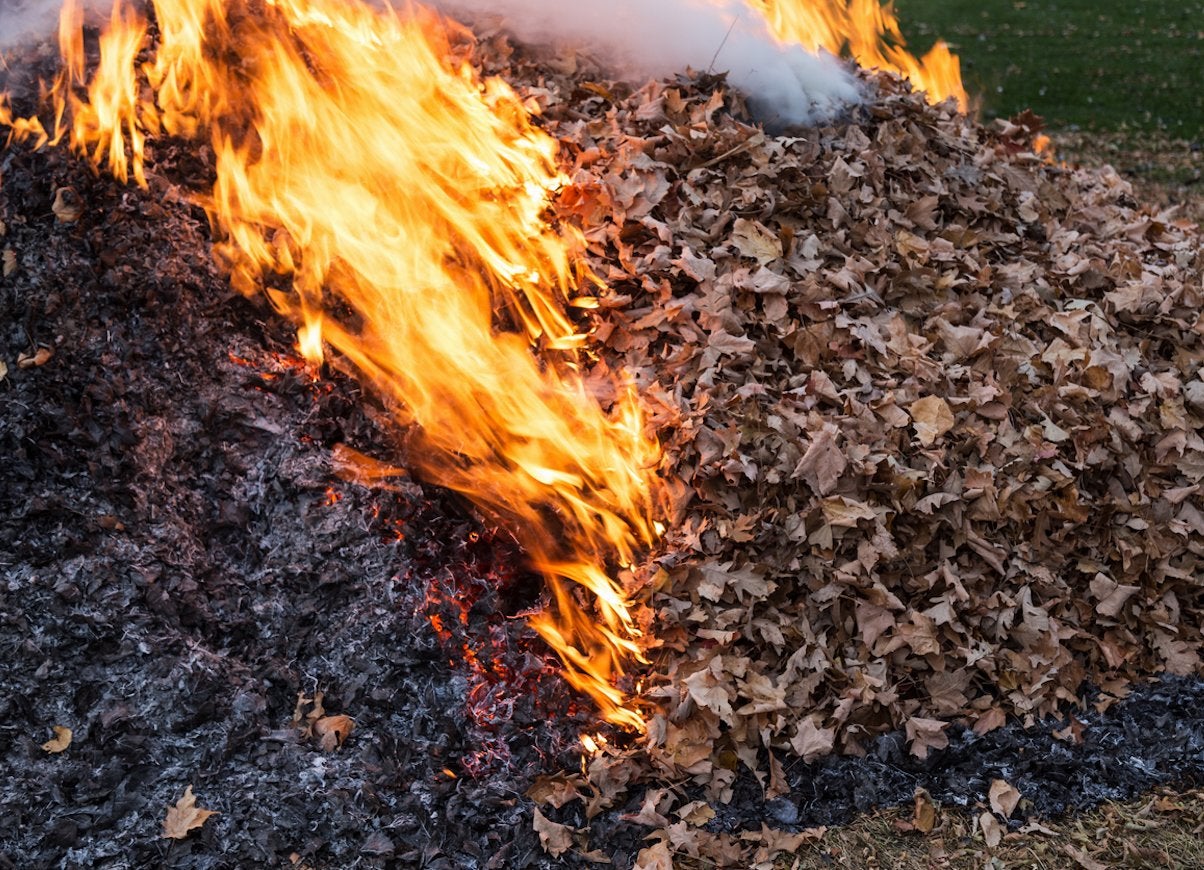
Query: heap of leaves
{"type": "Point", "coordinates": [934, 404]}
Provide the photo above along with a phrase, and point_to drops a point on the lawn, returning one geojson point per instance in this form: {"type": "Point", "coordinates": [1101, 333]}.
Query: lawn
{"type": "Point", "coordinates": [1102, 65]}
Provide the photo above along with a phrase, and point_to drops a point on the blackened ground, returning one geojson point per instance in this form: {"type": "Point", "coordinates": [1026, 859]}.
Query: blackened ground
{"type": "Point", "coordinates": [179, 561]}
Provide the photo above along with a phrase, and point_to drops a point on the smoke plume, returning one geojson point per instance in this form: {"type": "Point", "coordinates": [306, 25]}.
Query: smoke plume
{"type": "Point", "coordinates": [643, 38]}
{"type": "Point", "coordinates": [24, 20]}
{"type": "Point", "coordinates": [635, 38]}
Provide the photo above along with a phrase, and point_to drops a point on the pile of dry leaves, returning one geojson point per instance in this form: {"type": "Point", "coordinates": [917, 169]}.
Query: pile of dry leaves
{"type": "Point", "coordinates": [932, 403]}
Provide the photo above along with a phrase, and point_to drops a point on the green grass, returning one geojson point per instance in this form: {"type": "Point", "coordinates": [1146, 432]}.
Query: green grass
{"type": "Point", "coordinates": [1096, 64]}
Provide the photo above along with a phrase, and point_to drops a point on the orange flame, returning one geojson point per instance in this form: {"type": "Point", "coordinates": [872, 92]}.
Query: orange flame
{"type": "Point", "coordinates": [406, 200]}
{"type": "Point", "coordinates": [868, 31]}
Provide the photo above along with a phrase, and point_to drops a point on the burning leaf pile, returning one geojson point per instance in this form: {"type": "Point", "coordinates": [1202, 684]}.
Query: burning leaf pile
{"type": "Point", "coordinates": [929, 405]}
{"type": "Point", "coordinates": [935, 404]}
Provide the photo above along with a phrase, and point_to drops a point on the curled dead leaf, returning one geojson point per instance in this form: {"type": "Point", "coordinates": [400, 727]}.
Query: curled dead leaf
{"type": "Point", "coordinates": [62, 734]}
{"type": "Point", "coordinates": [68, 205]}
{"type": "Point", "coordinates": [657, 857]}
{"type": "Point", "coordinates": [992, 830]}
{"type": "Point", "coordinates": [555, 838]}
{"type": "Point", "coordinates": [184, 816]}
{"type": "Point", "coordinates": [1004, 797]}
{"type": "Point", "coordinates": [924, 817]}
{"type": "Point", "coordinates": [332, 731]}
{"type": "Point", "coordinates": [556, 790]}
{"type": "Point", "coordinates": [932, 417]}
{"type": "Point", "coordinates": [39, 357]}
{"type": "Point", "coordinates": [8, 262]}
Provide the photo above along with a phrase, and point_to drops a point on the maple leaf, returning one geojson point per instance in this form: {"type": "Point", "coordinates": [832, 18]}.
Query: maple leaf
{"type": "Point", "coordinates": [756, 240]}
{"type": "Point", "coordinates": [60, 741]}
{"type": "Point", "coordinates": [184, 816]}
{"type": "Point", "coordinates": [925, 734]}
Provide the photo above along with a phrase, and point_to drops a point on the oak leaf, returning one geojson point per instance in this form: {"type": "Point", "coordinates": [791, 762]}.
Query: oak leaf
{"type": "Point", "coordinates": [555, 790]}
{"type": "Point", "coordinates": [555, 838]}
{"type": "Point", "coordinates": [184, 816]}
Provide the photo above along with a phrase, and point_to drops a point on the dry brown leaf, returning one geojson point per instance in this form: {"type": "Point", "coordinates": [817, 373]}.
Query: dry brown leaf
{"type": "Point", "coordinates": [8, 262]}
{"type": "Point", "coordinates": [62, 734]}
{"type": "Point", "coordinates": [811, 741]}
{"type": "Point", "coordinates": [1004, 797]}
{"type": "Point", "coordinates": [555, 838]}
{"type": "Point", "coordinates": [932, 417]}
{"type": "Point", "coordinates": [333, 731]}
{"type": "Point", "coordinates": [655, 857]}
{"type": "Point", "coordinates": [1083, 859]}
{"type": "Point", "coordinates": [992, 830]}
{"type": "Point", "coordinates": [3, 369]}
{"type": "Point", "coordinates": [756, 240]}
{"type": "Point", "coordinates": [925, 734]}
{"type": "Point", "coordinates": [556, 790]}
{"type": "Point", "coordinates": [39, 357]}
{"type": "Point", "coordinates": [924, 817]}
{"type": "Point", "coordinates": [68, 206]}
{"type": "Point", "coordinates": [696, 813]}
{"type": "Point", "coordinates": [184, 816]}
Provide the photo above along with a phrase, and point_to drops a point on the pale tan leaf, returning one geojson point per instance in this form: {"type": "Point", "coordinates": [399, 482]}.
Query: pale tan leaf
{"type": "Point", "coordinates": [756, 240]}
{"type": "Point", "coordinates": [61, 740]}
{"type": "Point", "coordinates": [932, 417]}
{"type": "Point", "coordinates": [992, 830]}
{"type": "Point", "coordinates": [812, 742]}
{"type": "Point", "coordinates": [1004, 797]}
{"type": "Point", "coordinates": [925, 734]}
{"type": "Point", "coordinates": [184, 816]}
{"type": "Point", "coordinates": [656, 857]}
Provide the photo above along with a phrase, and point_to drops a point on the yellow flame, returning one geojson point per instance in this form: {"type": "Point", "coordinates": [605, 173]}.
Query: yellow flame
{"type": "Point", "coordinates": [867, 31]}
{"type": "Point", "coordinates": [359, 155]}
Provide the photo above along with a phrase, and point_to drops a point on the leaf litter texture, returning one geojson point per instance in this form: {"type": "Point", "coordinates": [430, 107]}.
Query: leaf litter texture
{"type": "Point", "coordinates": [931, 407]}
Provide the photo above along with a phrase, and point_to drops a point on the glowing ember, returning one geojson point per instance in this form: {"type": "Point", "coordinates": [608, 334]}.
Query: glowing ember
{"type": "Point", "coordinates": [867, 31]}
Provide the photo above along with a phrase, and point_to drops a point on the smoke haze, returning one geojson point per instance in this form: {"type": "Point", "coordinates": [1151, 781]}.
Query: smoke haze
{"type": "Point", "coordinates": [636, 38]}
{"type": "Point", "coordinates": [22, 20]}
{"type": "Point", "coordinates": [784, 84]}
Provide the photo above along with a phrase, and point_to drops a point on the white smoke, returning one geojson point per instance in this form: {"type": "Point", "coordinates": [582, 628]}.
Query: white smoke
{"type": "Point", "coordinates": [784, 84]}
{"type": "Point", "coordinates": [641, 38]}
{"type": "Point", "coordinates": [25, 20]}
